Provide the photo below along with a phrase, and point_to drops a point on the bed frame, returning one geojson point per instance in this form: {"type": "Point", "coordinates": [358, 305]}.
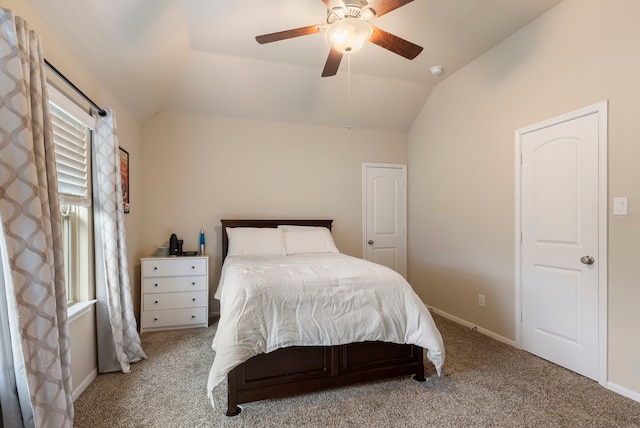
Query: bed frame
{"type": "Point", "coordinates": [301, 369]}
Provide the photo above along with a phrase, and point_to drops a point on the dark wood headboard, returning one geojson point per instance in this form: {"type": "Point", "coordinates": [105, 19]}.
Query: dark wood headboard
{"type": "Point", "coordinates": [264, 223]}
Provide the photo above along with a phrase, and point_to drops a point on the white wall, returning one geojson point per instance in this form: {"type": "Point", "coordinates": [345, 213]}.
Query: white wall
{"type": "Point", "coordinates": [200, 169]}
{"type": "Point", "coordinates": [461, 166]}
{"type": "Point", "coordinates": [82, 330]}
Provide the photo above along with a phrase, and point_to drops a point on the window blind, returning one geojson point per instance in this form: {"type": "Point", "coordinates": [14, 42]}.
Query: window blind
{"type": "Point", "coordinates": [71, 142]}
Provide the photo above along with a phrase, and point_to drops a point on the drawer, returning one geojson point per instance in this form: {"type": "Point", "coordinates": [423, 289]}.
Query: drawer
{"type": "Point", "coordinates": [174, 267]}
{"type": "Point", "coordinates": [170, 284]}
{"type": "Point", "coordinates": [174, 317]}
{"type": "Point", "coordinates": [156, 301]}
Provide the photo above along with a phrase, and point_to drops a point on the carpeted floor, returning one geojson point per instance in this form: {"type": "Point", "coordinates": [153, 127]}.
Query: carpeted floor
{"type": "Point", "coordinates": [486, 384]}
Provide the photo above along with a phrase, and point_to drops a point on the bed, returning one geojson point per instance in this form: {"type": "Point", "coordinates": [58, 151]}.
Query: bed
{"type": "Point", "coordinates": [316, 347]}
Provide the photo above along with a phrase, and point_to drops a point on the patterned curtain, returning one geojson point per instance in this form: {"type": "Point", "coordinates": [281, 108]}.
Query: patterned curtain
{"type": "Point", "coordinates": [118, 340]}
{"type": "Point", "coordinates": [35, 377]}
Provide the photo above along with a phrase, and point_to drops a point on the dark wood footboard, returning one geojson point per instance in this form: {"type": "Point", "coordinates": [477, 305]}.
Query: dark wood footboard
{"type": "Point", "coordinates": [301, 369]}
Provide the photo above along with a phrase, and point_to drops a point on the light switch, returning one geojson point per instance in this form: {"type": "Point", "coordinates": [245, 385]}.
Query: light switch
{"type": "Point", "coordinates": [620, 206]}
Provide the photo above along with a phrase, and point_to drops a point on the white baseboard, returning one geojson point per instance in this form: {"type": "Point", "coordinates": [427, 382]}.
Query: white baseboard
{"type": "Point", "coordinates": [635, 396]}
{"type": "Point", "coordinates": [84, 384]}
{"type": "Point", "coordinates": [471, 326]}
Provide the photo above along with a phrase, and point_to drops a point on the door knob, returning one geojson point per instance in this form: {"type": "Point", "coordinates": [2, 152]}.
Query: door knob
{"type": "Point", "coordinates": [370, 242]}
{"type": "Point", "coordinates": [587, 260]}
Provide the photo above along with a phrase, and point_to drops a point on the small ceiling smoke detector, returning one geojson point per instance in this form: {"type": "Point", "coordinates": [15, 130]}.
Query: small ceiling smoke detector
{"type": "Point", "coordinates": [436, 70]}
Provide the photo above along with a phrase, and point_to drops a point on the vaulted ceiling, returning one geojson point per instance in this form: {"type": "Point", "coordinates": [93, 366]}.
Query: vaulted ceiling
{"type": "Point", "coordinates": [201, 56]}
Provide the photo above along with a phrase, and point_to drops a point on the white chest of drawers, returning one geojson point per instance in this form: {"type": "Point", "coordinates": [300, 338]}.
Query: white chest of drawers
{"type": "Point", "coordinates": [175, 293]}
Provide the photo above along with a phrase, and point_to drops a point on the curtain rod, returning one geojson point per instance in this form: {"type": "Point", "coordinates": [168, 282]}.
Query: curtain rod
{"type": "Point", "coordinates": [101, 111]}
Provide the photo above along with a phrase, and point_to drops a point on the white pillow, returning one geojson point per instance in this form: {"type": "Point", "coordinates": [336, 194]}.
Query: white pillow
{"type": "Point", "coordinates": [309, 240]}
{"type": "Point", "coordinates": [255, 241]}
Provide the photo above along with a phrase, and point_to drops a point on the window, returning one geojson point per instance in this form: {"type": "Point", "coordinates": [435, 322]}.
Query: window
{"type": "Point", "coordinates": [72, 133]}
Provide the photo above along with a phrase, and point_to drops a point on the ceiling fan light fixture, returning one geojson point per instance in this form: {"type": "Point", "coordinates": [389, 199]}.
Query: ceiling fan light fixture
{"type": "Point", "coordinates": [348, 35]}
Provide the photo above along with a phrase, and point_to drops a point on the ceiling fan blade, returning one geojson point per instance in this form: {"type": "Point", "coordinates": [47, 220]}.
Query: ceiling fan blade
{"type": "Point", "coordinates": [385, 6]}
{"type": "Point", "coordinates": [395, 44]}
{"type": "Point", "coordinates": [288, 34]}
{"type": "Point", "coordinates": [332, 64]}
{"type": "Point", "coordinates": [333, 3]}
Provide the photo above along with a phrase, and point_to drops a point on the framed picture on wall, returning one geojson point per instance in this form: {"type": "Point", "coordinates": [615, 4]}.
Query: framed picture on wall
{"type": "Point", "coordinates": [124, 175]}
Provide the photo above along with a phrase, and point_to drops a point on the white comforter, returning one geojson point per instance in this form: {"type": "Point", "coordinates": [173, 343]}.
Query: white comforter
{"type": "Point", "coordinates": [268, 303]}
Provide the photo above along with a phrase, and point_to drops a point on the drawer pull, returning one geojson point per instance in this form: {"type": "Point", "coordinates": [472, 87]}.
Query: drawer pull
{"type": "Point", "coordinates": [155, 319]}
{"type": "Point", "coordinates": [193, 300]}
{"type": "Point", "coordinates": [155, 268]}
{"type": "Point", "coordinates": [193, 316]}
{"type": "Point", "coordinates": [193, 283]}
{"type": "Point", "coordinates": [155, 285]}
{"type": "Point", "coordinates": [156, 302]}
{"type": "Point", "coordinates": [193, 267]}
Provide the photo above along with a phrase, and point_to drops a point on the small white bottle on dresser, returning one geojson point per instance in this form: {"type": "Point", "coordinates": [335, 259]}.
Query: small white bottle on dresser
{"type": "Point", "coordinates": [175, 293]}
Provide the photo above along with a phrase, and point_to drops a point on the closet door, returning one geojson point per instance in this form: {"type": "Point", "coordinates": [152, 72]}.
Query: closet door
{"type": "Point", "coordinates": [384, 215]}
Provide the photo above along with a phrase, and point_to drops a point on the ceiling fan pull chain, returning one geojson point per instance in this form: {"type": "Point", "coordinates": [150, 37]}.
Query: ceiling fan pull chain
{"type": "Point", "coordinates": [349, 90]}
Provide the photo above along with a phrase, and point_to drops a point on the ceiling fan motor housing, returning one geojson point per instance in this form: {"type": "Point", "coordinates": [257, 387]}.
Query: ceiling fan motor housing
{"type": "Point", "coordinates": [353, 9]}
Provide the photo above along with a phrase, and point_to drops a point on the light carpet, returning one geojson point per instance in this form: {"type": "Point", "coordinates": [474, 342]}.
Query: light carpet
{"type": "Point", "coordinates": [485, 384]}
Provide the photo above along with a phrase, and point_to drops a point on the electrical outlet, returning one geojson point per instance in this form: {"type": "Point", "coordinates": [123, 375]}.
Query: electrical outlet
{"type": "Point", "coordinates": [481, 300]}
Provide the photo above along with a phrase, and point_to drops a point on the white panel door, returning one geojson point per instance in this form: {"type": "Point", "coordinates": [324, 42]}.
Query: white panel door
{"type": "Point", "coordinates": [559, 250]}
{"type": "Point", "coordinates": [384, 218]}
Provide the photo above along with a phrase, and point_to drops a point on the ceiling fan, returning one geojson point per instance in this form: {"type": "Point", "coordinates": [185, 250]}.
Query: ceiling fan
{"type": "Point", "coordinates": [348, 28]}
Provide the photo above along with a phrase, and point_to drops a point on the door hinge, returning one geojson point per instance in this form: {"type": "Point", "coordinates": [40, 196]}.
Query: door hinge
{"type": "Point", "coordinates": [521, 319]}
{"type": "Point", "coordinates": [521, 237]}
{"type": "Point", "coordinates": [521, 156]}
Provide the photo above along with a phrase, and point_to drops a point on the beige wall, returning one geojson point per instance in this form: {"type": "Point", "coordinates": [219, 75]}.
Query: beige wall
{"type": "Point", "coordinates": [84, 353]}
{"type": "Point", "coordinates": [200, 169]}
{"type": "Point", "coordinates": [461, 166]}
{"type": "Point", "coordinates": [83, 339]}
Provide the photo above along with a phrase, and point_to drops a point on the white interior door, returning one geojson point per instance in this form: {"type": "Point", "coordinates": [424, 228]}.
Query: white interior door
{"type": "Point", "coordinates": [384, 215]}
{"type": "Point", "coordinates": [560, 247]}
